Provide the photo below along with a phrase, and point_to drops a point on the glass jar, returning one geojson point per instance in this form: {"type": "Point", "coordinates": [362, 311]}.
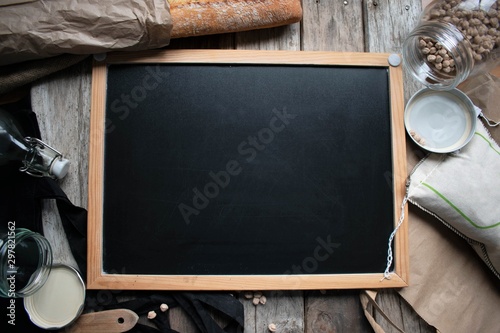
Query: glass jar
{"type": "Point", "coordinates": [454, 39]}
{"type": "Point", "coordinates": [25, 262]}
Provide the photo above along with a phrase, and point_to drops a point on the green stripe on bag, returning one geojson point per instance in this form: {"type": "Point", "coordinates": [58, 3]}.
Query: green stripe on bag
{"type": "Point", "coordinates": [489, 142]}
{"type": "Point", "coordinates": [458, 210]}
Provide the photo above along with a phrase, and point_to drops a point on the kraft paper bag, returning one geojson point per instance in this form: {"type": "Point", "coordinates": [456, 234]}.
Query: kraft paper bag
{"type": "Point", "coordinates": [463, 191]}
{"type": "Point", "coordinates": [450, 286]}
{"type": "Point", "coordinates": [47, 28]}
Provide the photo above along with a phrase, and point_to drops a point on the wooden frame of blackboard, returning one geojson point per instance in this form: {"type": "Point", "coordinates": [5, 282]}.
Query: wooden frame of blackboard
{"type": "Point", "coordinates": [98, 279]}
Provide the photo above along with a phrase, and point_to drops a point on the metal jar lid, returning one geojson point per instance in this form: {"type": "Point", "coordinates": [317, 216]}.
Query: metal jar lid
{"type": "Point", "coordinates": [440, 121]}
{"type": "Point", "coordinates": [60, 300]}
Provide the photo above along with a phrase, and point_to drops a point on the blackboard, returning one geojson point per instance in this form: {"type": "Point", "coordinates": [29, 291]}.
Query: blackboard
{"type": "Point", "coordinates": [221, 170]}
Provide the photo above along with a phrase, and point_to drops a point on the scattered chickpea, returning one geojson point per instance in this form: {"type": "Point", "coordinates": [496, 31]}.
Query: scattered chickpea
{"type": "Point", "coordinates": [163, 307]}
{"type": "Point", "coordinates": [272, 327]}
{"type": "Point", "coordinates": [151, 315]}
{"type": "Point", "coordinates": [257, 297]}
{"type": "Point", "coordinates": [417, 137]}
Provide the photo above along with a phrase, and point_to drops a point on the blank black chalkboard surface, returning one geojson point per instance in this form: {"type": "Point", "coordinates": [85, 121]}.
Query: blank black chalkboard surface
{"type": "Point", "coordinates": [245, 170]}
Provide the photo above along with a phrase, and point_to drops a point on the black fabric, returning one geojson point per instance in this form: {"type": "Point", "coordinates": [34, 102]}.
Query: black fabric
{"type": "Point", "coordinates": [16, 187]}
{"type": "Point", "coordinates": [198, 306]}
{"type": "Point", "coordinates": [21, 198]}
{"type": "Point", "coordinates": [21, 195]}
{"type": "Point", "coordinates": [18, 204]}
{"type": "Point", "coordinates": [74, 219]}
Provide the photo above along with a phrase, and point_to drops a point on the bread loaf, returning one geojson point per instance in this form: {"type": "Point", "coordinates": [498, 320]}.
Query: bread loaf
{"type": "Point", "coordinates": [205, 17]}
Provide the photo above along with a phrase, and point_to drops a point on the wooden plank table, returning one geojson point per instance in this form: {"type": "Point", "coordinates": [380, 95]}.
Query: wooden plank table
{"type": "Point", "coordinates": [62, 103]}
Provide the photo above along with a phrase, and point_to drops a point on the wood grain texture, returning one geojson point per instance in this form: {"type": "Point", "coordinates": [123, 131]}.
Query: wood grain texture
{"type": "Point", "coordinates": [110, 321]}
{"type": "Point", "coordinates": [96, 173]}
{"type": "Point", "coordinates": [400, 313]}
{"type": "Point", "coordinates": [281, 38]}
{"type": "Point", "coordinates": [251, 57]}
{"type": "Point", "coordinates": [387, 24]}
{"type": "Point", "coordinates": [334, 311]}
{"type": "Point", "coordinates": [399, 173]}
{"type": "Point", "coordinates": [284, 309]}
{"type": "Point", "coordinates": [250, 313]}
{"type": "Point", "coordinates": [62, 104]}
{"type": "Point", "coordinates": [332, 26]}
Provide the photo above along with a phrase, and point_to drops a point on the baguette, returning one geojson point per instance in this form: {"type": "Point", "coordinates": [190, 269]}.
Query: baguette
{"type": "Point", "coordinates": [206, 17]}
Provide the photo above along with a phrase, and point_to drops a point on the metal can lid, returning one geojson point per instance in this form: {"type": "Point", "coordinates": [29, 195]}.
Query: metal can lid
{"type": "Point", "coordinates": [59, 301]}
{"type": "Point", "coordinates": [440, 121]}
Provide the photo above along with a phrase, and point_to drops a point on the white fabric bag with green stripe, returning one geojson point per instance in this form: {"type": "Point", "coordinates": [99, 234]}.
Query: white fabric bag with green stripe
{"type": "Point", "coordinates": [463, 191]}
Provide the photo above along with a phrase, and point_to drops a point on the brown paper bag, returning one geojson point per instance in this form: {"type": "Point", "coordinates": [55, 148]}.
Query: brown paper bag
{"type": "Point", "coordinates": [484, 91]}
{"type": "Point", "coordinates": [450, 287]}
{"type": "Point", "coordinates": [46, 28]}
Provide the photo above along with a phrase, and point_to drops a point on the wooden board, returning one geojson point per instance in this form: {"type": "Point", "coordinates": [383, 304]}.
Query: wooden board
{"type": "Point", "coordinates": [97, 277]}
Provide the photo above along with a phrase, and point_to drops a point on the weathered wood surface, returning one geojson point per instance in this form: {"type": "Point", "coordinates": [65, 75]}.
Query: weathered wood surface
{"type": "Point", "coordinates": [62, 103]}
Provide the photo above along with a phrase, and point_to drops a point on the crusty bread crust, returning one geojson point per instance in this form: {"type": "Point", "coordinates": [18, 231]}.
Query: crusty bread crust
{"type": "Point", "coordinates": [205, 17]}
